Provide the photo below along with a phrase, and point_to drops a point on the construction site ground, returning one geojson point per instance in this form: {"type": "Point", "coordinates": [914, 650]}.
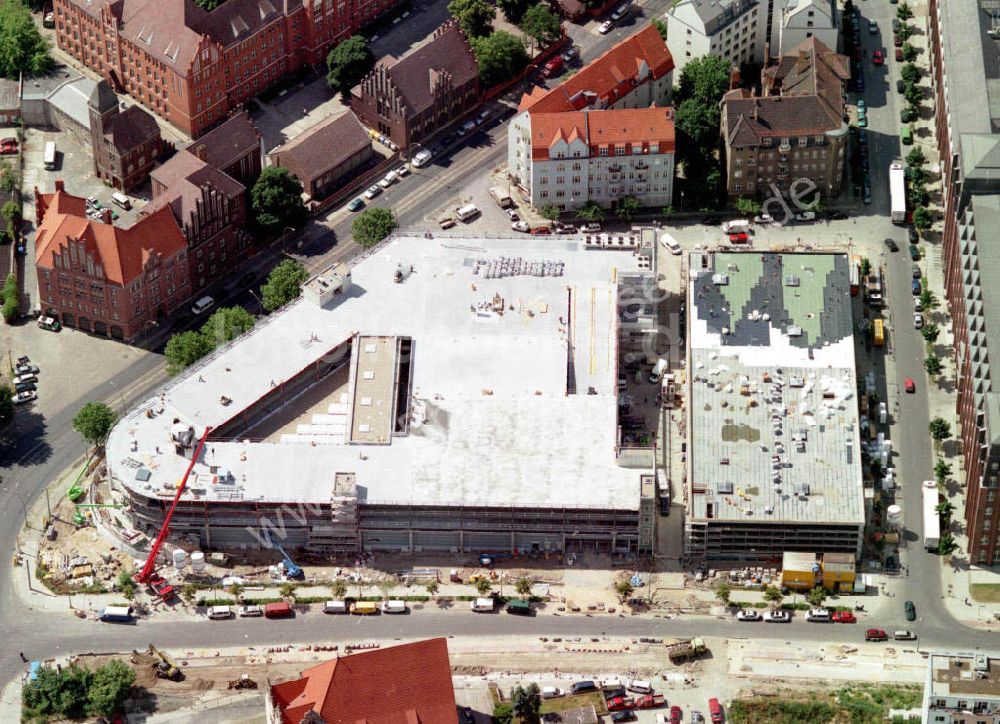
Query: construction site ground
{"type": "Point", "coordinates": [734, 668]}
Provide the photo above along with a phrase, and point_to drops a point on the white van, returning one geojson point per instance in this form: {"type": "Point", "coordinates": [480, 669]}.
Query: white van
{"type": "Point", "coordinates": [121, 200]}
{"type": "Point", "coordinates": [201, 305]}
{"type": "Point", "coordinates": [640, 687]}
{"type": "Point", "coordinates": [219, 612]}
{"type": "Point", "coordinates": [552, 692]}
{"type": "Point", "coordinates": [335, 607]}
{"type": "Point", "coordinates": [393, 607]}
{"type": "Point", "coordinates": [613, 687]}
{"type": "Point", "coordinates": [671, 243]}
{"type": "Point", "coordinates": [467, 212]}
{"type": "Point", "coordinates": [482, 605]}
{"type": "Point", "coordinates": [658, 369]}
{"type": "Point", "coordinates": [821, 615]}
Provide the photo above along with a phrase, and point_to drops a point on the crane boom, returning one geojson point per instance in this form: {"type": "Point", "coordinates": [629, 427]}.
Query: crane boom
{"type": "Point", "coordinates": [147, 570]}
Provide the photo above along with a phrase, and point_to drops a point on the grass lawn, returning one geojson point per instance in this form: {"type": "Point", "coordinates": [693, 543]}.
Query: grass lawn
{"type": "Point", "coordinates": [858, 704]}
{"type": "Point", "coordinates": [985, 592]}
{"type": "Point", "coordinates": [572, 702]}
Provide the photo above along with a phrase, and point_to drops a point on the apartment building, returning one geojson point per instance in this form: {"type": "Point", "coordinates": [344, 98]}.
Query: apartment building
{"type": "Point", "coordinates": [99, 278]}
{"type": "Point", "coordinates": [634, 75]}
{"type": "Point", "coordinates": [795, 131]}
{"type": "Point", "coordinates": [965, 64]}
{"type": "Point", "coordinates": [804, 19]}
{"type": "Point", "coordinates": [734, 29]}
{"type": "Point", "coordinates": [409, 98]}
{"type": "Point", "coordinates": [194, 67]}
{"type": "Point", "coordinates": [125, 143]}
{"type": "Point", "coordinates": [961, 688]}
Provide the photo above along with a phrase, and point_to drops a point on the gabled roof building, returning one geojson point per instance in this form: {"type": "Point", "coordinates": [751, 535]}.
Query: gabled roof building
{"type": "Point", "coordinates": [125, 143]}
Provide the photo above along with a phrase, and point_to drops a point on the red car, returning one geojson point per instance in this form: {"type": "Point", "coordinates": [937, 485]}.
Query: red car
{"type": "Point", "coordinates": [8, 148]}
{"type": "Point", "coordinates": [553, 67]}
{"type": "Point", "coordinates": [876, 634]}
{"type": "Point", "coordinates": [620, 703]}
{"type": "Point", "coordinates": [740, 237]}
{"type": "Point", "coordinates": [675, 714]}
{"type": "Point", "coordinates": [843, 617]}
{"type": "Point", "coordinates": [650, 701]}
{"type": "Point", "coordinates": [899, 55]}
{"type": "Point", "coordinates": [909, 386]}
{"type": "Point", "coordinates": [878, 58]}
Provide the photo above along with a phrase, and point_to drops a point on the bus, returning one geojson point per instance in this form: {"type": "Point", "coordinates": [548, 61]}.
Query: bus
{"type": "Point", "coordinates": [50, 156]}
{"type": "Point", "coordinates": [897, 192]}
{"type": "Point", "coordinates": [855, 269]}
{"type": "Point", "coordinates": [878, 332]}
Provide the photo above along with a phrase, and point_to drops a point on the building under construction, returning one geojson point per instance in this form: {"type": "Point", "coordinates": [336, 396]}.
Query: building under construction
{"type": "Point", "coordinates": [440, 395]}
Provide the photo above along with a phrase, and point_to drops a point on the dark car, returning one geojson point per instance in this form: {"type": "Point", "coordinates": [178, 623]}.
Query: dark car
{"type": "Point", "coordinates": [25, 387]}
{"type": "Point", "coordinates": [836, 216]}
{"type": "Point", "coordinates": [900, 87]}
{"type": "Point", "coordinates": [916, 271]}
{"type": "Point", "coordinates": [911, 234]}
{"type": "Point", "coordinates": [618, 716]}
{"type": "Point", "coordinates": [891, 245]}
{"type": "Point", "coordinates": [911, 611]}
{"type": "Point", "coordinates": [581, 687]}
{"type": "Point", "coordinates": [915, 287]}
{"type": "Point", "coordinates": [914, 252]}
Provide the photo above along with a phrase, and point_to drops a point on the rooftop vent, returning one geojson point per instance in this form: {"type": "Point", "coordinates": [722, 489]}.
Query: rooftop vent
{"type": "Point", "coordinates": [724, 487]}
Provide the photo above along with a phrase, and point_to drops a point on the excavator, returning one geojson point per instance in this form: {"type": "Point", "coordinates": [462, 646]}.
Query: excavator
{"type": "Point", "coordinates": [165, 668]}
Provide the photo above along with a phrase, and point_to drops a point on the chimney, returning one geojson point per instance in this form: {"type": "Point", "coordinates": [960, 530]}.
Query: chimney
{"type": "Point", "coordinates": [201, 152]}
{"type": "Point", "coordinates": [106, 215]}
{"type": "Point", "coordinates": [60, 186]}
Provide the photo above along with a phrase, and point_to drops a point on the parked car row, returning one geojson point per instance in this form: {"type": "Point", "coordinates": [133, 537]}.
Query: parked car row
{"type": "Point", "coordinates": [25, 381]}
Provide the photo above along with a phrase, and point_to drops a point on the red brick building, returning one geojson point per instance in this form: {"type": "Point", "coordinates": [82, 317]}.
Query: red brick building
{"type": "Point", "coordinates": [193, 67]}
{"type": "Point", "coordinates": [125, 143]}
{"type": "Point", "coordinates": [99, 278]}
{"type": "Point", "coordinates": [406, 683]}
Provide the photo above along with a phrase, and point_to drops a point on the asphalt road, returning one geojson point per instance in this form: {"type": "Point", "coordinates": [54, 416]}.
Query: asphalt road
{"type": "Point", "coordinates": [41, 454]}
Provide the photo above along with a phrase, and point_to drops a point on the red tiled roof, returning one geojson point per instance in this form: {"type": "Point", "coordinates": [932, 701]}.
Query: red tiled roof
{"type": "Point", "coordinates": [608, 77]}
{"type": "Point", "coordinates": [122, 253]}
{"type": "Point", "coordinates": [613, 127]}
{"type": "Point", "coordinates": [396, 685]}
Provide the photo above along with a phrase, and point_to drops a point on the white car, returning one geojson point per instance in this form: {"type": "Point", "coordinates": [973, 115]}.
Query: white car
{"type": "Point", "coordinates": [372, 192]}
{"type": "Point", "coordinates": [422, 158]}
{"type": "Point", "coordinates": [483, 117]}
{"type": "Point", "coordinates": [918, 320]}
{"type": "Point", "coordinates": [402, 171]}
{"type": "Point", "coordinates": [520, 226]}
{"type": "Point", "coordinates": [918, 306]}
{"type": "Point", "coordinates": [27, 396]}
{"type": "Point", "coordinates": [778, 616]}
{"type": "Point", "coordinates": [25, 378]}
{"type": "Point", "coordinates": [806, 216]}
{"type": "Point", "coordinates": [763, 219]}
{"type": "Point", "coordinates": [91, 201]}
{"type": "Point", "coordinates": [251, 611]}
{"type": "Point", "coordinates": [606, 27]}
{"type": "Point", "coordinates": [467, 128]}
{"type": "Point", "coordinates": [748, 614]}
{"type": "Point", "coordinates": [512, 213]}
{"type": "Point", "coordinates": [552, 692]}
{"type": "Point", "coordinates": [26, 368]}
{"type": "Point", "coordinates": [591, 228]}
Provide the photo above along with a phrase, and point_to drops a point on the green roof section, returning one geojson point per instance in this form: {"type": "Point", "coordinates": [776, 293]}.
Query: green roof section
{"type": "Point", "coordinates": [805, 302]}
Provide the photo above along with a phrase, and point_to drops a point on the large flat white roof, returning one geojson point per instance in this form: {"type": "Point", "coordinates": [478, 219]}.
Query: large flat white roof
{"type": "Point", "coordinates": [498, 327]}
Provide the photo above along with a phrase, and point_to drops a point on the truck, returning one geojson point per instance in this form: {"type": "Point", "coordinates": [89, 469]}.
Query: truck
{"type": "Point", "coordinates": [116, 614]}
{"type": "Point", "coordinates": [650, 701]}
{"type": "Point", "coordinates": [685, 650]}
{"type": "Point", "coordinates": [932, 520]}
{"type": "Point", "coordinates": [897, 192]}
{"type": "Point", "coordinates": [277, 610]}
{"type": "Point", "coordinates": [502, 198]}
{"type": "Point", "coordinates": [878, 332]}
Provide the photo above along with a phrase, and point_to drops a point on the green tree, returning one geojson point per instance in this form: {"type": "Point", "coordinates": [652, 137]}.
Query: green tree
{"type": "Point", "coordinates": [945, 509]}
{"type": "Point", "coordinates": [747, 205]}
{"type": "Point", "coordinates": [905, 31]}
{"type": "Point", "coordinates": [184, 349]}
{"type": "Point", "coordinates": [918, 175]}
{"type": "Point", "coordinates": [947, 544]}
{"type": "Point", "coordinates": [932, 363]}
{"type": "Point", "coordinates": [6, 405]}
{"type": "Point", "coordinates": [287, 590]}
{"type": "Point", "coordinates": [94, 421]}
{"type": "Point", "coordinates": [503, 713]}
{"type": "Point", "coordinates": [627, 207]}
{"type": "Point", "coordinates": [56, 694]}
{"type": "Point", "coordinates": [773, 595]}
{"type": "Point", "coordinates": [591, 212]}
{"type": "Point", "coordinates": [940, 429]}
{"type": "Point", "coordinates": [913, 94]}
{"type": "Point", "coordinates": [699, 122]}
{"type": "Point", "coordinates": [11, 298]}
{"type": "Point", "coordinates": [540, 23]}
{"type": "Point", "coordinates": [661, 28]}
{"type": "Point", "coordinates": [910, 73]}
{"type": "Point", "coordinates": [550, 212]}
{"type": "Point", "coordinates": [941, 471]}
{"type": "Point", "coordinates": [348, 63]}
{"type": "Point", "coordinates": [624, 589]}
{"type": "Point", "coordinates": [919, 195]}
{"type": "Point", "coordinates": [816, 596]}
{"type": "Point", "coordinates": [283, 284]}
{"type": "Point", "coordinates": [372, 225]}
{"type": "Point", "coordinates": [930, 332]}
{"type": "Point", "coordinates": [109, 687]}
{"type": "Point", "coordinates": [475, 17]}
{"type": "Point", "coordinates": [702, 85]}
{"type": "Point", "coordinates": [236, 591]}
{"type": "Point", "coordinates": [500, 56]}
{"type": "Point", "coordinates": [338, 588]}
{"type": "Point", "coordinates": [909, 52]}
{"type": "Point", "coordinates": [23, 49]}
{"type": "Point", "coordinates": [523, 586]}
{"type": "Point", "coordinates": [432, 587]}
{"type": "Point", "coordinates": [903, 12]}
{"type": "Point", "coordinates": [226, 324]}
{"type": "Point", "coordinates": [277, 199]}
{"type": "Point", "coordinates": [483, 585]}
{"type": "Point", "coordinates": [188, 592]}
{"type": "Point", "coordinates": [526, 702]}
{"type": "Point", "coordinates": [922, 219]}
{"type": "Point", "coordinates": [722, 592]}
{"type": "Point", "coordinates": [9, 177]}
{"type": "Point", "coordinates": [126, 585]}
{"type": "Point", "coordinates": [705, 79]}
{"type": "Point", "coordinates": [514, 10]}
{"type": "Point", "coordinates": [385, 586]}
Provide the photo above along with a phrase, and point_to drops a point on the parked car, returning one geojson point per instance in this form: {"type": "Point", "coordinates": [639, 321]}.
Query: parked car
{"type": "Point", "coordinates": [620, 12]}
{"type": "Point", "coordinates": [900, 85]}
{"type": "Point", "coordinates": [552, 692]}
{"type": "Point", "coordinates": [467, 128]}
{"type": "Point", "coordinates": [843, 617]}
{"type": "Point", "coordinates": [25, 387]}
{"type": "Point", "coordinates": [581, 687]}
{"type": "Point", "coordinates": [483, 116]}
{"type": "Point", "coordinates": [778, 616]}
{"type": "Point", "coordinates": [914, 252]}
{"type": "Point", "coordinates": [619, 703]}
{"type": "Point", "coordinates": [763, 219]}
{"type": "Point", "coordinates": [202, 305]}
{"type": "Point", "coordinates": [553, 66]}
{"type": "Point", "coordinates": [675, 714]}
{"type": "Point", "coordinates": [372, 192]}
{"type": "Point", "coordinates": [446, 222]}
{"type": "Point", "coordinates": [251, 611]}
{"type": "Point", "coordinates": [911, 611]}
{"type": "Point", "coordinates": [606, 27]}
{"type": "Point", "coordinates": [20, 379]}
{"type": "Point", "coordinates": [915, 287]}
{"type": "Point", "coordinates": [591, 228]}
{"type": "Point", "coordinates": [22, 397]}
{"type": "Point", "coordinates": [49, 323]}
{"type": "Point", "coordinates": [916, 271]}
{"type": "Point", "coordinates": [910, 387]}
{"type": "Point", "coordinates": [878, 58]}
{"type": "Point", "coordinates": [570, 54]}
{"type": "Point", "coordinates": [911, 234]}
{"type": "Point", "coordinates": [899, 56]}
{"type": "Point", "coordinates": [918, 320]}
{"type": "Point", "coordinates": [356, 205]}
{"type": "Point", "coordinates": [917, 304]}
{"type": "Point", "coordinates": [876, 634]}
{"type": "Point", "coordinates": [622, 716]}
{"type": "Point", "coordinates": [421, 158]}
{"type": "Point", "coordinates": [748, 614]}
{"type": "Point", "coordinates": [904, 635]}
{"type": "Point", "coordinates": [26, 368]}
{"type": "Point", "coordinates": [512, 213]}
{"type": "Point", "coordinates": [520, 226]}
{"type": "Point", "coordinates": [805, 216]}
{"type": "Point", "coordinates": [873, 27]}
{"type": "Point", "coordinates": [891, 245]}
{"type": "Point", "coordinates": [388, 180]}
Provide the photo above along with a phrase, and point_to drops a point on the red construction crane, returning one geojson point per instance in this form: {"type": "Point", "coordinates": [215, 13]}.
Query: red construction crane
{"type": "Point", "coordinates": [148, 574]}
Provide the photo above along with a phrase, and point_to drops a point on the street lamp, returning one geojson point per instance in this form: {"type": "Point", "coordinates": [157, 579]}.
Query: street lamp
{"type": "Point", "coordinates": [120, 395]}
